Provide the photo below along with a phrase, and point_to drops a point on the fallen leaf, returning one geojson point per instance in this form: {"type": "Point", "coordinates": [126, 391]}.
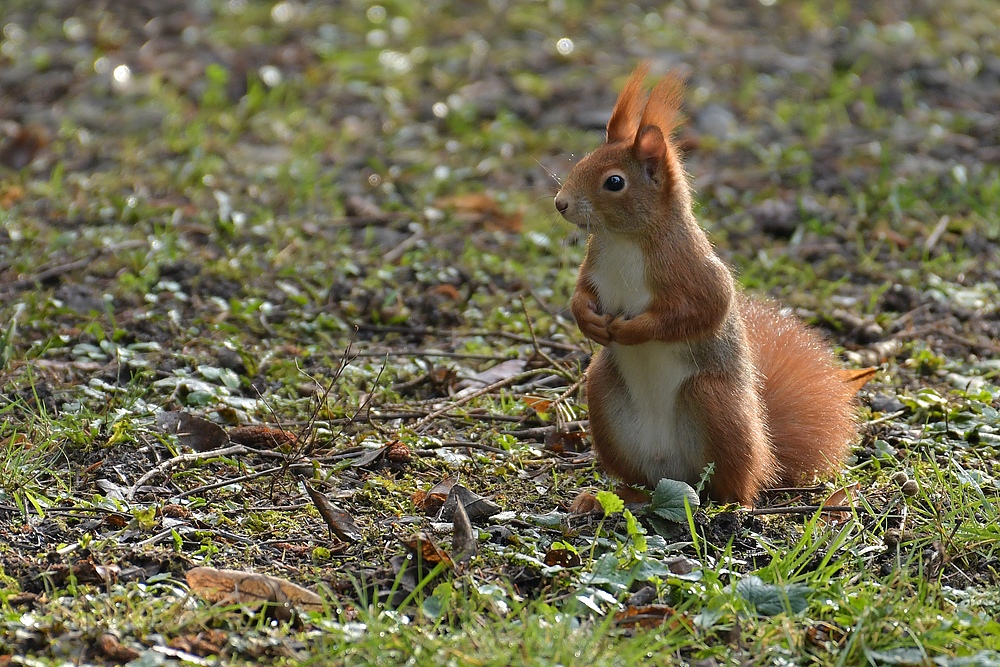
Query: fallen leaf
{"type": "Point", "coordinates": [481, 207]}
{"type": "Point", "coordinates": [199, 434]}
{"type": "Point", "coordinates": [825, 635]}
{"type": "Point", "coordinates": [562, 557]}
{"type": "Point", "coordinates": [110, 647]}
{"type": "Point", "coordinates": [262, 437]}
{"type": "Point", "coordinates": [840, 498]}
{"type": "Point", "coordinates": [21, 144]}
{"type": "Point", "coordinates": [236, 587]}
{"type": "Point", "coordinates": [433, 500]}
{"type": "Point", "coordinates": [426, 550]}
{"type": "Point", "coordinates": [339, 521]}
{"type": "Point", "coordinates": [476, 507]}
{"type": "Point", "coordinates": [649, 616]}
{"type": "Point", "coordinates": [502, 371]}
{"type": "Point", "coordinates": [566, 441]}
{"type": "Point", "coordinates": [10, 195]}
{"type": "Point", "coordinates": [446, 290]}
{"type": "Point", "coordinates": [205, 643]}
{"type": "Point", "coordinates": [464, 545]}
{"type": "Point", "coordinates": [538, 403]}
{"type": "Point", "coordinates": [370, 457]}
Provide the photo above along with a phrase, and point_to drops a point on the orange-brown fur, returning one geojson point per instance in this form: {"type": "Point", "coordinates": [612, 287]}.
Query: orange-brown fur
{"type": "Point", "coordinates": [757, 393]}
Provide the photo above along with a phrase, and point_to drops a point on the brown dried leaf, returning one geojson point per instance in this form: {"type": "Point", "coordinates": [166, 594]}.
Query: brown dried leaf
{"type": "Point", "coordinates": [262, 437]}
{"type": "Point", "coordinates": [476, 507]}
{"type": "Point", "coordinates": [205, 643]}
{"type": "Point", "coordinates": [199, 434]}
{"type": "Point", "coordinates": [563, 557]}
{"type": "Point", "coordinates": [446, 290]}
{"type": "Point", "coordinates": [566, 441]}
{"type": "Point", "coordinates": [434, 499]}
{"type": "Point", "coordinates": [538, 403]}
{"type": "Point", "coordinates": [109, 646]}
{"type": "Point", "coordinates": [370, 457]}
{"type": "Point", "coordinates": [236, 587]}
{"type": "Point", "coordinates": [10, 195]}
{"type": "Point", "coordinates": [840, 498]}
{"type": "Point", "coordinates": [825, 635]}
{"type": "Point", "coordinates": [464, 546]}
{"type": "Point", "coordinates": [649, 616]}
{"type": "Point", "coordinates": [339, 521]}
{"type": "Point", "coordinates": [426, 550]}
{"type": "Point", "coordinates": [21, 144]}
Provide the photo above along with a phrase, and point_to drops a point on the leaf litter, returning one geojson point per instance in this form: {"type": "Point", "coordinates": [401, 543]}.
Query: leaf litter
{"type": "Point", "coordinates": [179, 294]}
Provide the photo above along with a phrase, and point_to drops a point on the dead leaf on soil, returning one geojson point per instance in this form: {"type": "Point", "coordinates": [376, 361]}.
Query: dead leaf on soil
{"type": "Point", "coordinates": [199, 434]}
{"type": "Point", "coordinates": [562, 557]}
{"type": "Point", "coordinates": [825, 635]}
{"type": "Point", "coordinates": [446, 290]}
{"type": "Point", "coordinates": [502, 371]}
{"type": "Point", "coordinates": [649, 616]}
{"type": "Point", "coordinates": [464, 546]}
{"type": "Point", "coordinates": [369, 458]}
{"type": "Point", "coordinates": [426, 550]}
{"type": "Point", "coordinates": [339, 521]}
{"type": "Point", "coordinates": [481, 208]}
{"type": "Point", "coordinates": [205, 643]}
{"type": "Point", "coordinates": [840, 498]}
{"type": "Point", "coordinates": [20, 144]}
{"type": "Point", "coordinates": [476, 507]}
{"type": "Point", "coordinates": [236, 587]}
{"type": "Point", "coordinates": [433, 500]}
{"type": "Point", "coordinates": [262, 437]}
{"type": "Point", "coordinates": [110, 647]}
{"type": "Point", "coordinates": [538, 403]}
{"type": "Point", "coordinates": [10, 195]}
{"type": "Point", "coordinates": [566, 441]}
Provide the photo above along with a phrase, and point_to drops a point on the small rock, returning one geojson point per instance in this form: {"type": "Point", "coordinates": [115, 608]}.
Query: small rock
{"type": "Point", "coordinates": [716, 121]}
{"type": "Point", "coordinates": [775, 217]}
{"type": "Point", "coordinates": [231, 360]}
{"type": "Point", "coordinates": [886, 403]}
{"type": "Point", "coordinates": [900, 299]}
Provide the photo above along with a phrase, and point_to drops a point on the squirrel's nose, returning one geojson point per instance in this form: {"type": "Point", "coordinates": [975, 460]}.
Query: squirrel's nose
{"type": "Point", "coordinates": [561, 204]}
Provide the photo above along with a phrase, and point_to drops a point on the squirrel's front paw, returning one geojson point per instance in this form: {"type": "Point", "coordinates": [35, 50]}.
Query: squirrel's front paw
{"type": "Point", "coordinates": [629, 330]}
{"type": "Point", "coordinates": [594, 325]}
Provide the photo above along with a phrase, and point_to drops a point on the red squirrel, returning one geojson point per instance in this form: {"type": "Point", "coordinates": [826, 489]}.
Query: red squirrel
{"type": "Point", "coordinates": [691, 371]}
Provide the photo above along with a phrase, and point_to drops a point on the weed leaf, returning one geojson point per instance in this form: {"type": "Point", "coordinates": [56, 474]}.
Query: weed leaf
{"type": "Point", "coordinates": [772, 599]}
{"type": "Point", "coordinates": [610, 503]}
{"type": "Point", "coordinates": [668, 499]}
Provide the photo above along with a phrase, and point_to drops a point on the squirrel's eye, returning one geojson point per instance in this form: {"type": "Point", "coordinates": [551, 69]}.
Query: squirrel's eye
{"type": "Point", "coordinates": [614, 182]}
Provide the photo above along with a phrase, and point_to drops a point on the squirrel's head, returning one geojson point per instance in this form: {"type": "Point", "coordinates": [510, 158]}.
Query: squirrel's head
{"type": "Point", "coordinates": [635, 178]}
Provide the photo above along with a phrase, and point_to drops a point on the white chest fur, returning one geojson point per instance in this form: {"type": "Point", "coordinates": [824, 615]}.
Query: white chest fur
{"type": "Point", "coordinates": [646, 418]}
{"type": "Point", "coordinates": [619, 276]}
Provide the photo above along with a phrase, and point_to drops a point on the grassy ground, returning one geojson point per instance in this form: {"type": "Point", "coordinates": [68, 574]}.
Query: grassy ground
{"type": "Point", "coordinates": [336, 219]}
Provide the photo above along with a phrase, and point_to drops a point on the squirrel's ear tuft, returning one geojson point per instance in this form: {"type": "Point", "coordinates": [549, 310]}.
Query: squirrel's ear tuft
{"type": "Point", "coordinates": [624, 121]}
{"type": "Point", "coordinates": [663, 107]}
{"type": "Point", "coordinates": [650, 148]}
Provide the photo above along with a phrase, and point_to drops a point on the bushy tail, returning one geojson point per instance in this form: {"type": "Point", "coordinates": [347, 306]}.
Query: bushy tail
{"type": "Point", "coordinates": [809, 400]}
